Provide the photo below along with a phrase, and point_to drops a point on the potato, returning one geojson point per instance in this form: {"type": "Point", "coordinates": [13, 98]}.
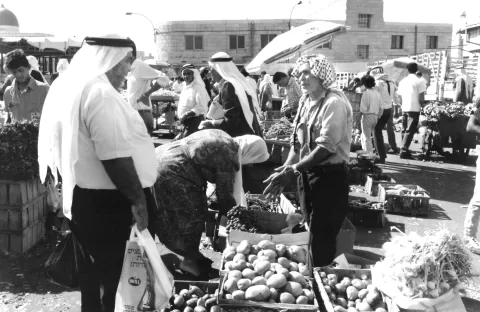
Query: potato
{"type": "Point", "coordinates": [184, 293]}
{"type": "Point", "coordinates": [255, 250]}
{"type": "Point", "coordinates": [294, 288]}
{"type": "Point", "coordinates": [261, 267]}
{"type": "Point", "coordinates": [332, 277]}
{"type": "Point", "coordinates": [351, 304]}
{"type": "Point", "coordinates": [210, 303]}
{"type": "Point", "coordinates": [238, 257]}
{"type": "Point", "coordinates": [297, 254]}
{"type": "Point", "coordinates": [297, 277]}
{"type": "Point", "coordinates": [302, 300]}
{"type": "Point", "coordinates": [240, 265]}
{"type": "Point", "coordinates": [309, 294]}
{"type": "Point", "coordinates": [339, 309]}
{"type": "Point", "coordinates": [265, 258]}
{"type": "Point", "coordinates": [352, 309]}
{"type": "Point", "coordinates": [293, 266]}
{"type": "Point", "coordinates": [323, 274]}
{"type": "Point", "coordinates": [325, 281]}
{"type": "Point", "coordinates": [281, 249]}
{"type": "Point", "coordinates": [341, 302]}
{"type": "Point", "coordinates": [347, 281]}
{"type": "Point", "coordinates": [380, 310]}
{"type": "Point", "coordinates": [273, 294]}
{"type": "Point", "coordinates": [179, 302]}
{"type": "Point", "coordinates": [341, 288]}
{"type": "Point", "coordinates": [192, 303]}
{"type": "Point", "coordinates": [249, 273]}
{"type": "Point", "coordinates": [271, 301]}
{"type": "Point", "coordinates": [328, 290]}
{"type": "Point", "coordinates": [362, 294]}
{"type": "Point", "coordinates": [268, 274]}
{"type": "Point", "coordinates": [187, 309]}
{"type": "Point", "coordinates": [284, 271]}
{"type": "Point", "coordinates": [252, 258]}
{"type": "Point", "coordinates": [229, 265]}
{"type": "Point", "coordinates": [229, 255]}
{"type": "Point", "coordinates": [363, 306]}
{"type": "Point", "coordinates": [358, 284]}
{"type": "Point", "coordinates": [304, 270]}
{"type": "Point", "coordinates": [201, 302]}
{"type": "Point", "coordinates": [228, 296]}
{"type": "Point", "coordinates": [284, 262]}
{"type": "Point", "coordinates": [277, 281]}
{"type": "Point", "coordinates": [235, 274]}
{"type": "Point", "coordinates": [199, 309]}
{"type": "Point", "coordinates": [244, 247]}
{"type": "Point", "coordinates": [244, 283]}
{"type": "Point", "coordinates": [250, 266]}
{"type": "Point", "coordinates": [266, 244]}
{"type": "Point", "coordinates": [287, 298]}
{"type": "Point", "coordinates": [372, 298]}
{"type": "Point", "coordinates": [332, 296]}
{"type": "Point", "coordinates": [257, 293]}
{"type": "Point", "coordinates": [259, 280]}
{"type": "Point", "coordinates": [352, 293]}
{"type": "Point", "coordinates": [230, 285]}
{"type": "Point", "coordinates": [238, 295]}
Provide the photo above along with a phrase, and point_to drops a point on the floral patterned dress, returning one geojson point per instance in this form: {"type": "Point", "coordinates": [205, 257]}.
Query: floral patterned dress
{"type": "Point", "coordinates": [183, 170]}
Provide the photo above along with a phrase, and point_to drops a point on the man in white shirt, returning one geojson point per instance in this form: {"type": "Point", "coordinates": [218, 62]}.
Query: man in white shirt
{"type": "Point", "coordinates": [178, 85]}
{"type": "Point", "coordinates": [107, 160]}
{"type": "Point", "coordinates": [193, 103]}
{"type": "Point", "coordinates": [411, 91]}
{"type": "Point", "coordinates": [139, 89]}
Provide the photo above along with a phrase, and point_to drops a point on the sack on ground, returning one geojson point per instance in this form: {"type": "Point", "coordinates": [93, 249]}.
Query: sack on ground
{"type": "Point", "coordinates": [67, 259]}
{"type": "Point", "coordinates": [145, 283]}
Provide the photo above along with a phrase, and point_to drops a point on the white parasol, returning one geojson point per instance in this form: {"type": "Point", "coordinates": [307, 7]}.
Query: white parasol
{"type": "Point", "coordinates": [397, 69]}
{"type": "Point", "coordinates": [297, 40]}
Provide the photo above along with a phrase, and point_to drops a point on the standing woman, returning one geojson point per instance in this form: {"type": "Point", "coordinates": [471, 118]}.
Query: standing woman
{"type": "Point", "coordinates": [321, 139]}
{"type": "Point", "coordinates": [371, 110]}
{"type": "Point", "coordinates": [266, 93]}
{"type": "Point", "coordinates": [183, 169]}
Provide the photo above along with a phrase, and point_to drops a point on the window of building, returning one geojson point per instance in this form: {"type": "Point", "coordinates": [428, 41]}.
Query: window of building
{"type": "Point", "coordinates": [237, 42]}
{"type": "Point", "coordinates": [193, 42]}
{"type": "Point", "coordinates": [473, 33]}
{"type": "Point", "coordinates": [364, 20]}
{"type": "Point", "coordinates": [397, 42]}
{"type": "Point", "coordinates": [362, 52]}
{"type": "Point", "coordinates": [327, 45]}
{"type": "Point", "coordinates": [432, 42]}
{"type": "Point", "coordinates": [265, 39]}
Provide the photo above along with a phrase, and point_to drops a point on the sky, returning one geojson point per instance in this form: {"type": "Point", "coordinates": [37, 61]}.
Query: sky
{"type": "Point", "coordinates": [80, 18]}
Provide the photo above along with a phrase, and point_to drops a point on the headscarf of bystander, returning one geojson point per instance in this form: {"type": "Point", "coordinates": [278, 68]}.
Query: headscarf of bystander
{"type": "Point", "coordinates": [252, 149]}
{"type": "Point", "coordinates": [267, 80]}
{"type": "Point", "coordinates": [59, 124]}
{"type": "Point", "coordinates": [197, 79]}
{"type": "Point", "coordinates": [223, 64]}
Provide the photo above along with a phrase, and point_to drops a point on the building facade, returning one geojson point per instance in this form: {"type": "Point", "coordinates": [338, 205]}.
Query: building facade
{"type": "Point", "coordinates": [368, 38]}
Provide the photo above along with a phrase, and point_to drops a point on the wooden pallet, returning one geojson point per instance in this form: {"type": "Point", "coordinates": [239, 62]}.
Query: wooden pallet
{"type": "Point", "coordinates": [22, 241]}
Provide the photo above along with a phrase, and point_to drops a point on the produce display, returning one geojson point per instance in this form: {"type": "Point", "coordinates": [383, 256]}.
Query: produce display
{"type": "Point", "coordinates": [433, 111]}
{"type": "Point", "coordinates": [19, 151]}
{"type": "Point", "coordinates": [281, 127]}
{"type": "Point", "coordinates": [425, 266]}
{"type": "Point", "coordinates": [352, 293]}
{"type": "Point", "coordinates": [193, 299]}
{"type": "Point", "coordinates": [242, 219]}
{"type": "Point", "coordinates": [364, 204]}
{"type": "Point", "coordinates": [256, 203]}
{"type": "Point", "coordinates": [401, 190]}
{"type": "Point", "coordinates": [267, 272]}
{"type": "Point", "coordinates": [163, 92]}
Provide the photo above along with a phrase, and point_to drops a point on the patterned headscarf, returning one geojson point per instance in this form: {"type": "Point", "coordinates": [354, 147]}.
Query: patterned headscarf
{"type": "Point", "coordinates": [320, 67]}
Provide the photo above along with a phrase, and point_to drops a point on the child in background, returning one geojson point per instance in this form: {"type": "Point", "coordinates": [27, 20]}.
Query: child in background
{"type": "Point", "coordinates": [371, 110]}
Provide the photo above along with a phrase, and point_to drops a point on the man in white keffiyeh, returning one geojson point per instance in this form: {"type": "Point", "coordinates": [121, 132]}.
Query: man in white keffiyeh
{"type": "Point", "coordinates": [320, 148]}
{"type": "Point", "coordinates": [236, 96]}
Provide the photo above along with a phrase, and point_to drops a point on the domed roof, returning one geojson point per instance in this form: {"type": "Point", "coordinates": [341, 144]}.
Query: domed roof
{"type": "Point", "coordinates": [7, 18]}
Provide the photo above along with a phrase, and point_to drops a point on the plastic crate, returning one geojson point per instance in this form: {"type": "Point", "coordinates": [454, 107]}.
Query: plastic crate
{"type": "Point", "coordinates": [373, 180]}
{"type": "Point", "coordinates": [404, 204]}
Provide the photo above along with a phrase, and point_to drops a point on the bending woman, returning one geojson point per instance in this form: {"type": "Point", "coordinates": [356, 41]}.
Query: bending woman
{"type": "Point", "coordinates": [184, 168]}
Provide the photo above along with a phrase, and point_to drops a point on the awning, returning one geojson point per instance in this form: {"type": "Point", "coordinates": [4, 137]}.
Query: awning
{"type": "Point", "coordinates": [42, 43]}
{"type": "Point", "coordinates": [296, 40]}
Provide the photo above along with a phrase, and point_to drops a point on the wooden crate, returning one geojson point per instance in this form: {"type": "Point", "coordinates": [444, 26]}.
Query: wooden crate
{"type": "Point", "coordinates": [404, 204]}
{"type": "Point", "coordinates": [239, 305]}
{"type": "Point", "coordinates": [19, 193]}
{"type": "Point", "coordinates": [371, 185]}
{"type": "Point", "coordinates": [22, 241]}
{"type": "Point", "coordinates": [352, 273]}
{"type": "Point", "coordinates": [18, 218]}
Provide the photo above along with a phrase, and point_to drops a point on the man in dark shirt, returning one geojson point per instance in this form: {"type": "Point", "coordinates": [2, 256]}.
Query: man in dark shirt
{"type": "Point", "coordinates": [204, 74]}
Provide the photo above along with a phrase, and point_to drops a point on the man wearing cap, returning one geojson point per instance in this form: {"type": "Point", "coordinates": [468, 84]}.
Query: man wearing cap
{"type": "Point", "coordinates": [237, 98]}
{"type": "Point", "coordinates": [100, 146]}
{"type": "Point", "coordinates": [411, 95]}
{"type": "Point", "coordinates": [139, 89]}
{"type": "Point", "coordinates": [193, 103]}
{"type": "Point", "coordinates": [387, 90]}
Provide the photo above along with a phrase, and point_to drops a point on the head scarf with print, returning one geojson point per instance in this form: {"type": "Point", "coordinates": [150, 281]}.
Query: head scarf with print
{"type": "Point", "coordinates": [320, 67]}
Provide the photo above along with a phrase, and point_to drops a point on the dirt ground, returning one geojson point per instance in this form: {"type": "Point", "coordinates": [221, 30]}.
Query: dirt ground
{"type": "Point", "coordinates": [23, 286]}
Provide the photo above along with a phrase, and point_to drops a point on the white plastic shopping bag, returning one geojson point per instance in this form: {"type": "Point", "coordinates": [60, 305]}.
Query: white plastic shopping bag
{"type": "Point", "coordinates": [215, 111]}
{"type": "Point", "coordinates": [145, 283]}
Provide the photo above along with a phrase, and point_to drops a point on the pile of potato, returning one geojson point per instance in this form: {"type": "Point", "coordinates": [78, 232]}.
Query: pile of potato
{"type": "Point", "coordinates": [193, 300]}
{"type": "Point", "coordinates": [267, 272]}
{"type": "Point", "coordinates": [352, 294]}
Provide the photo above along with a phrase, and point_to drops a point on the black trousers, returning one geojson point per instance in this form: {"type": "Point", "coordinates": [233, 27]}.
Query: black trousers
{"type": "Point", "coordinates": [326, 197]}
{"type": "Point", "coordinates": [103, 220]}
{"type": "Point", "coordinates": [410, 124]}
{"type": "Point", "coordinates": [382, 122]}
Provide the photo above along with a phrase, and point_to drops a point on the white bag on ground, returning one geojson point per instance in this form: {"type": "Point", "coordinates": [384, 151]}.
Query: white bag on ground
{"type": "Point", "coordinates": [145, 283]}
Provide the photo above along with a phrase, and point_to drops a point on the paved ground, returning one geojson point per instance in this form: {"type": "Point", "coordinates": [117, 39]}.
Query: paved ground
{"type": "Point", "coordinates": [23, 287]}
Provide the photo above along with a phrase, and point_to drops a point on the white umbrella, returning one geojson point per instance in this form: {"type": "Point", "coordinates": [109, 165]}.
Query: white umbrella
{"type": "Point", "coordinates": [298, 39]}
{"type": "Point", "coordinates": [397, 69]}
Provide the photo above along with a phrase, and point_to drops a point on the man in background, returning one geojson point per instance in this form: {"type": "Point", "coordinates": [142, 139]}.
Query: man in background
{"type": "Point", "coordinates": [25, 97]}
{"type": "Point", "coordinates": [411, 95]}
{"type": "Point", "coordinates": [139, 89]}
{"type": "Point", "coordinates": [204, 73]}
{"type": "Point", "coordinates": [259, 81]}
{"type": "Point", "coordinates": [294, 93]}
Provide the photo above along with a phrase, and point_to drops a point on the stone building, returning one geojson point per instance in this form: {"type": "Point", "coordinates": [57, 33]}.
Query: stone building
{"type": "Point", "coordinates": [369, 38]}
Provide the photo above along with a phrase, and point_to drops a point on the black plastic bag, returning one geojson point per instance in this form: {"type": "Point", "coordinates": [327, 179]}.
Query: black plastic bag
{"type": "Point", "coordinates": [64, 264]}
